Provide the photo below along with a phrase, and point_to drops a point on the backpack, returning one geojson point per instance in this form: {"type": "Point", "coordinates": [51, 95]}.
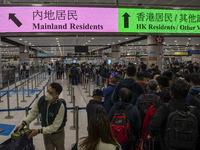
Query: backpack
{"type": "Point", "coordinates": [120, 125]}
{"type": "Point", "coordinates": [181, 130]}
{"type": "Point", "coordinates": [147, 101]}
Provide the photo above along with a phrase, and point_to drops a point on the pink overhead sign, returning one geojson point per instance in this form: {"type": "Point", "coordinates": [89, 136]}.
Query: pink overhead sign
{"type": "Point", "coordinates": [58, 19]}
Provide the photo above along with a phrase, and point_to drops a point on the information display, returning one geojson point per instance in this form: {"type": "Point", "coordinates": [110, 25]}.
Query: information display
{"type": "Point", "coordinates": [58, 19]}
{"type": "Point", "coordinates": [96, 19]}
{"type": "Point", "coordinates": [159, 20]}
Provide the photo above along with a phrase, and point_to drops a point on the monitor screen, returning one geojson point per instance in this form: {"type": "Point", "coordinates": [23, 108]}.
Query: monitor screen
{"type": "Point", "coordinates": [81, 49]}
{"type": "Point", "coordinates": [74, 61]}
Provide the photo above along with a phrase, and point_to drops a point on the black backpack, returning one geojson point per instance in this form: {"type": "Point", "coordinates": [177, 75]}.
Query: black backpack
{"type": "Point", "coordinates": [147, 101]}
{"type": "Point", "coordinates": [181, 130]}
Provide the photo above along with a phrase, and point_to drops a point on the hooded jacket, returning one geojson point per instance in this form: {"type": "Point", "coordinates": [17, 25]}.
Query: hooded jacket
{"type": "Point", "coordinates": [133, 86]}
{"type": "Point", "coordinates": [192, 92]}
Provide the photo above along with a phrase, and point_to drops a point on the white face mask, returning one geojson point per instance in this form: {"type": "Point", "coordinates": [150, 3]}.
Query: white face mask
{"type": "Point", "coordinates": [48, 97]}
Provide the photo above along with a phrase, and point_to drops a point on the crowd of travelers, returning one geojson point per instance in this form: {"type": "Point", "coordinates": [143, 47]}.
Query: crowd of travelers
{"type": "Point", "coordinates": [148, 109]}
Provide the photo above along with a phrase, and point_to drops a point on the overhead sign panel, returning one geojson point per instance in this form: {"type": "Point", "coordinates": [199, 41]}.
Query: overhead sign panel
{"type": "Point", "coordinates": [159, 20]}
{"type": "Point", "coordinates": [58, 19]}
{"type": "Point", "coordinates": [96, 19]}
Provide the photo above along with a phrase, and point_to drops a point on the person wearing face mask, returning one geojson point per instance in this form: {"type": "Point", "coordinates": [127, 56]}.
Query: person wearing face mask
{"type": "Point", "coordinates": [53, 118]}
{"type": "Point", "coordinates": [95, 105]}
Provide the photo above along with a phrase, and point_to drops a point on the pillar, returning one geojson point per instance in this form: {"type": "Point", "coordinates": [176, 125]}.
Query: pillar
{"type": "Point", "coordinates": [115, 49]}
{"type": "Point", "coordinates": [24, 54]}
{"type": "Point", "coordinates": [196, 56]}
{"type": "Point", "coordinates": [154, 51]}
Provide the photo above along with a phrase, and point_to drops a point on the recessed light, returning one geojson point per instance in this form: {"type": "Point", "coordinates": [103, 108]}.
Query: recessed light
{"type": "Point", "coordinates": [29, 43]}
{"type": "Point", "coordinates": [175, 40]}
{"type": "Point", "coordinates": [189, 38]}
{"type": "Point", "coordinates": [126, 38]}
{"type": "Point", "coordinates": [197, 44]}
{"type": "Point", "coordinates": [92, 38]}
{"type": "Point", "coordinates": [119, 40]}
{"type": "Point", "coordinates": [57, 38]}
{"type": "Point", "coordinates": [25, 41]}
{"type": "Point", "coordinates": [20, 39]}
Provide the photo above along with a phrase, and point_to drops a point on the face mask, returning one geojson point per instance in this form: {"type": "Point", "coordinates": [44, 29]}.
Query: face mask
{"type": "Point", "coordinates": [48, 97]}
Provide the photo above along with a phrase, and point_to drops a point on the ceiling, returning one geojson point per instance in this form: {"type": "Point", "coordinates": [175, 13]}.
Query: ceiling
{"type": "Point", "coordinates": [183, 3]}
{"type": "Point", "coordinates": [62, 45]}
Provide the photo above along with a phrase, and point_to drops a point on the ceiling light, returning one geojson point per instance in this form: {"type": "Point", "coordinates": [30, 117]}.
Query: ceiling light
{"type": "Point", "coordinates": [29, 43]}
{"type": "Point", "coordinates": [175, 40]}
{"type": "Point", "coordinates": [126, 38]}
{"type": "Point", "coordinates": [89, 41]}
{"type": "Point", "coordinates": [25, 41]}
{"type": "Point", "coordinates": [113, 42]}
{"type": "Point", "coordinates": [57, 38]}
{"type": "Point", "coordinates": [197, 44]}
{"type": "Point", "coordinates": [92, 38]}
{"type": "Point", "coordinates": [189, 39]}
{"type": "Point", "coordinates": [20, 39]}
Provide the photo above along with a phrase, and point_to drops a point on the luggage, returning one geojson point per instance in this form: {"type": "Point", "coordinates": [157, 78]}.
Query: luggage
{"type": "Point", "coordinates": [18, 141]}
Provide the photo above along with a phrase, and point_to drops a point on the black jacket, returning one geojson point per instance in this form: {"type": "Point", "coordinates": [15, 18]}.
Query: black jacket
{"type": "Point", "coordinates": [158, 123]}
{"type": "Point", "coordinates": [94, 107]}
{"type": "Point", "coordinates": [129, 83]}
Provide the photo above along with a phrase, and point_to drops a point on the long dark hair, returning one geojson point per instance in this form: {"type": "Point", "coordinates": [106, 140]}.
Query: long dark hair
{"type": "Point", "coordinates": [98, 129]}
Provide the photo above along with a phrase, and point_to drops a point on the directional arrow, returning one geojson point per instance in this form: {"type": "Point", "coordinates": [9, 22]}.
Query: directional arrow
{"type": "Point", "coordinates": [126, 20]}
{"type": "Point", "coordinates": [15, 20]}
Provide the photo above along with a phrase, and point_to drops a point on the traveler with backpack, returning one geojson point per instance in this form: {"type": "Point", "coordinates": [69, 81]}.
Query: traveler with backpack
{"type": "Point", "coordinates": [195, 87]}
{"type": "Point", "coordinates": [130, 83]}
{"type": "Point", "coordinates": [174, 122]}
{"type": "Point", "coordinates": [95, 104]}
{"type": "Point", "coordinates": [146, 100]}
{"type": "Point", "coordinates": [52, 127]}
{"type": "Point", "coordinates": [125, 120]}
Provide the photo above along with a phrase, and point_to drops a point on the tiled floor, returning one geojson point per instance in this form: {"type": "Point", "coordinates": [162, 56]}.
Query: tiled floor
{"type": "Point", "coordinates": [81, 98]}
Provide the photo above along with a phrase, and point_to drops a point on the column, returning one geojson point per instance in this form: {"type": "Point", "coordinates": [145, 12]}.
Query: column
{"type": "Point", "coordinates": [24, 54]}
{"type": "Point", "coordinates": [196, 54]}
{"type": "Point", "coordinates": [115, 53]}
{"type": "Point", "coordinates": [154, 51]}
{"type": "Point", "coordinates": [1, 85]}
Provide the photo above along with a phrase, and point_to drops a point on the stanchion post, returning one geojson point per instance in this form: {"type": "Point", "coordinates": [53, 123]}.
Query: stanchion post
{"type": "Point", "coordinates": [84, 83]}
{"type": "Point", "coordinates": [8, 104]}
{"type": "Point", "coordinates": [0, 98]}
{"type": "Point", "coordinates": [89, 89]}
{"type": "Point", "coordinates": [77, 123]}
{"type": "Point", "coordinates": [74, 119]}
{"type": "Point", "coordinates": [87, 80]}
{"type": "Point", "coordinates": [17, 96]}
{"type": "Point", "coordinates": [72, 94]}
{"type": "Point", "coordinates": [32, 84]}
{"type": "Point", "coordinates": [23, 94]}
{"type": "Point", "coordinates": [9, 87]}
{"type": "Point", "coordinates": [28, 88]}
{"type": "Point", "coordinates": [43, 90]}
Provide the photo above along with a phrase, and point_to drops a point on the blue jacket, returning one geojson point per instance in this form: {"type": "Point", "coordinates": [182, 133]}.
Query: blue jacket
{"type": "Point", "coordinates": [133, 115]}
{"type": "Point", "coordinates": [135, 88]}
{"type": "Point", "coordinates": [108, 94]}
{"type": "Point", "coordinates": [192, 92]}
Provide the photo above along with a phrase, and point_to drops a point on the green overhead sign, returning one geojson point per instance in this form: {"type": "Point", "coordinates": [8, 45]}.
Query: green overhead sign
{"type": "Point", "coordinates": [158, 20]}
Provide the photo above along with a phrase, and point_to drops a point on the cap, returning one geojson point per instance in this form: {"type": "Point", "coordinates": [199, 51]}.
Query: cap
{"type": "Point", "coordinates": [97, 92]}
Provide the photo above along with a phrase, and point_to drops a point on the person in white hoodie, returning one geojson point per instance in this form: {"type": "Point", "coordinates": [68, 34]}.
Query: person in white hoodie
{"type": "Point", "coordinates": [99, 135]}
